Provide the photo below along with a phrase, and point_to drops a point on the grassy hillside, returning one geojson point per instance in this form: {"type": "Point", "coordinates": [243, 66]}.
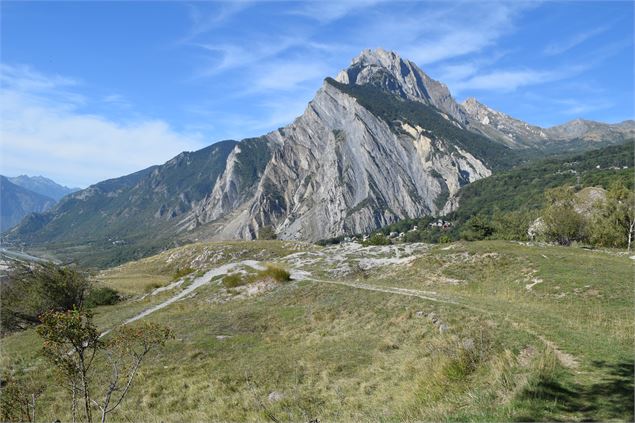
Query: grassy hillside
{"type": "Point", "coordinates": [125, 218]}
{"type": "Point", "coordinates": [493, 331]}
{"type": "Point", "coordinates": [524, 187]}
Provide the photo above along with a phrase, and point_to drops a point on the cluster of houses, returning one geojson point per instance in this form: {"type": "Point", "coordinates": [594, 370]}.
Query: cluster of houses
{"type": "Point", "coordinates": [439, 223]}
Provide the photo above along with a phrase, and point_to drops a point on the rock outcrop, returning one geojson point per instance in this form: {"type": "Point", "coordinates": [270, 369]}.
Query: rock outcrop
{"type": "Point", "coordinates": [341, 169]}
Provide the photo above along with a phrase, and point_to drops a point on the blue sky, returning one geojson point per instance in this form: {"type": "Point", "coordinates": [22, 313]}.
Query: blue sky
{"type": "Point", "coordinates": [94, 90]}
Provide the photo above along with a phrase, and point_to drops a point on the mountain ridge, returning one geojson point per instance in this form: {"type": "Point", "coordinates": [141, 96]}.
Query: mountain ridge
{"type": "Point", "coordinates": [16, 202]}
{"type": "Point", "coordinates": [381, 142]}
{"type": "Point", "coordinates": [43, 186]}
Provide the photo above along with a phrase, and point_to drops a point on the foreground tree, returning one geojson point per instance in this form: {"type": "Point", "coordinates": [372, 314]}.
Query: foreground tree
{"type": "Point", "coordinates": [125, 352]}
{"type": "Point", "coordinates": [477, 228]}
{"type": "Point", "coordinates": [97, 372]}
{"type": "Point", "coordinates": [71, 342]}
{"type": "Point", "coordinates": [19, 393]}
{"type": "Point", "coordinates": [613, 223]}
{"type": "Point", "coordinates": [562, 223]}
{"type": "Point", "coordinates": [32, 289]}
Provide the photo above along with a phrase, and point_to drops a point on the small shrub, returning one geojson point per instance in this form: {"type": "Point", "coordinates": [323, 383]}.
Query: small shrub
{"type": "Point", "coordinates": [102, 296]}
{"type": "Point", "coordinates": [266, 233]}
{"type": "Point", "coordinates": [180, 272]}
{"type": "Point", "coordinates": [151, 286]}
{"type": "Point", "coordinates": [388, 345]}
{"type": "Point", "coordinates": [444, 239]}
{"type": "Point", "coordinates": [377, 239]}
{"type": "Point", "coordinates": [233, 280]}
{"type": "Point", "coordinates": [274, 272]}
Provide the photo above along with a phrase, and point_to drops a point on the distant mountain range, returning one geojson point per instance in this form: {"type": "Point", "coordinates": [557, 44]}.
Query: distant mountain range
{"type": "Point", "coordinates": [23, 195]}
{"type": "Point", "coordinates": [380, 142]}
{"type": "Point", "coordinates": [43, 186]}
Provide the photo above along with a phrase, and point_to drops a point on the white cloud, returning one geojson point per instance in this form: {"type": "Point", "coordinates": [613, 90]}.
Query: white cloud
{"type": "Point", "coordinates": [571, 42]}
{"type": "Point", "coordinates": [287, 75]}
{"type": "Point", "coordinates": [506, 80]}
{"type": "Point", "coordinates": [231, 56]}
{"type": "Point", "coordinates": [203, 20]}
{"type": "Point", "coordinates": [442, 31]}
{"type": "Point", "coordinates": [578, 107]}
{"type": "Point", "coordinates": [329, 11]}
{"type": "Point", "coordinates": [45, 133]}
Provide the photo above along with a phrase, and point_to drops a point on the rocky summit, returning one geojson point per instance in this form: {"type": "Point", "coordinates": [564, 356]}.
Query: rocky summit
{"type": "Point", "coordinates": [381, 142]}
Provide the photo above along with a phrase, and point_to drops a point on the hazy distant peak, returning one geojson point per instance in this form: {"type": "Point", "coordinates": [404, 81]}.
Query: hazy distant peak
{"type": "Point", "coordinates": [43, 186]}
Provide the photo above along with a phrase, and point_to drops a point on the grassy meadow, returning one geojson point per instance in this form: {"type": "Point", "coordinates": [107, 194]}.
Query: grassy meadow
{"type": "Point", "coordinates": [481, 331]}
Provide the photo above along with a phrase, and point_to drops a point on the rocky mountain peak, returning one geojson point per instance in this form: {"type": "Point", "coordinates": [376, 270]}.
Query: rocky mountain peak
{"type": "Point", "coordinates": [378, 57]}
{"type": "Point", "coordinates": [388, 71]}
{"type": "Point", "coordinates": [475, 108]}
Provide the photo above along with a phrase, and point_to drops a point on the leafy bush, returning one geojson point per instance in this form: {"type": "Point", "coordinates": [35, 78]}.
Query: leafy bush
{"type": "Point", "coordinates": [613, 223]}
{"type": "Point", "coordinates": [477, 228]}
{"type": "Point", "coordinates": [102, 296]}
{"type": "Point", "coordinates": [377, 239]}
{"type": "Point", "coordinates": [563, 224]}
{"type": "Point", "coordinates": [233, 280]}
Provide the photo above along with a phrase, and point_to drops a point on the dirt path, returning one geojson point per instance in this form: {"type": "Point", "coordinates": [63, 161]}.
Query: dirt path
{"type": "Point", "coordinates": [196, 283]}
{"type": "Point", "coordinates": [566, 359]}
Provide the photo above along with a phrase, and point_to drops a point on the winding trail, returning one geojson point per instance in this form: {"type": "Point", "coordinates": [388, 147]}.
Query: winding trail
{"type": "Point", "coordinates": [565, 359]}
{"type": "Point", "coordinates": [196, 283]}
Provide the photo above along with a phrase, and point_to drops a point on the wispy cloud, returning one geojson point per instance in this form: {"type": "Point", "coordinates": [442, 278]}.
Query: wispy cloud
{"type": "Point", "coordinates": [511, 80]}
{"type": "Point", "coordinates": [573, 41]}
{"type": "Point", "coordinates": [227, 56]}
{"type": "Point", "coordinates": [578, 107]}
{"type": "Point", "coordinates": [329, 11]}
{"type": "Point", "coordinates": [43, 132]}
{"type": "Point", "coordinates": [117, 100]}
{"type": "Point", "coordinates": [206, 16]}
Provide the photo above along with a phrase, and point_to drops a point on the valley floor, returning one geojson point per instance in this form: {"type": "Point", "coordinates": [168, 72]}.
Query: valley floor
{"type": "Point", "coordinates": [466, 331]}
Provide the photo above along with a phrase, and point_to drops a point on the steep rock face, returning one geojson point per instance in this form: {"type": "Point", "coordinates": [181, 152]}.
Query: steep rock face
{"type": "Point", "coordinates": [380, 143]}
{"type": "Point", "coordinates": [339, 169]}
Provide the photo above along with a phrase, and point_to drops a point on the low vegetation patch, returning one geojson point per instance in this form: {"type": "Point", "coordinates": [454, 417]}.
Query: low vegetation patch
{"type": "Point", "coordinates": [233, 280]}
{"type": "Point", "coordinates": [102, 296]}
{"type": "Point", "coordinates": [181, 272]}
{"type": "Point", "coordinates": [274, 272]}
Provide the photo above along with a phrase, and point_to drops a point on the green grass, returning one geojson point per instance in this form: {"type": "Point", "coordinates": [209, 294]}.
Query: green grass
{"type": "Point", "coordinates": [233, 280]}
{"type": "Point", "coordinates": [337, 353]}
